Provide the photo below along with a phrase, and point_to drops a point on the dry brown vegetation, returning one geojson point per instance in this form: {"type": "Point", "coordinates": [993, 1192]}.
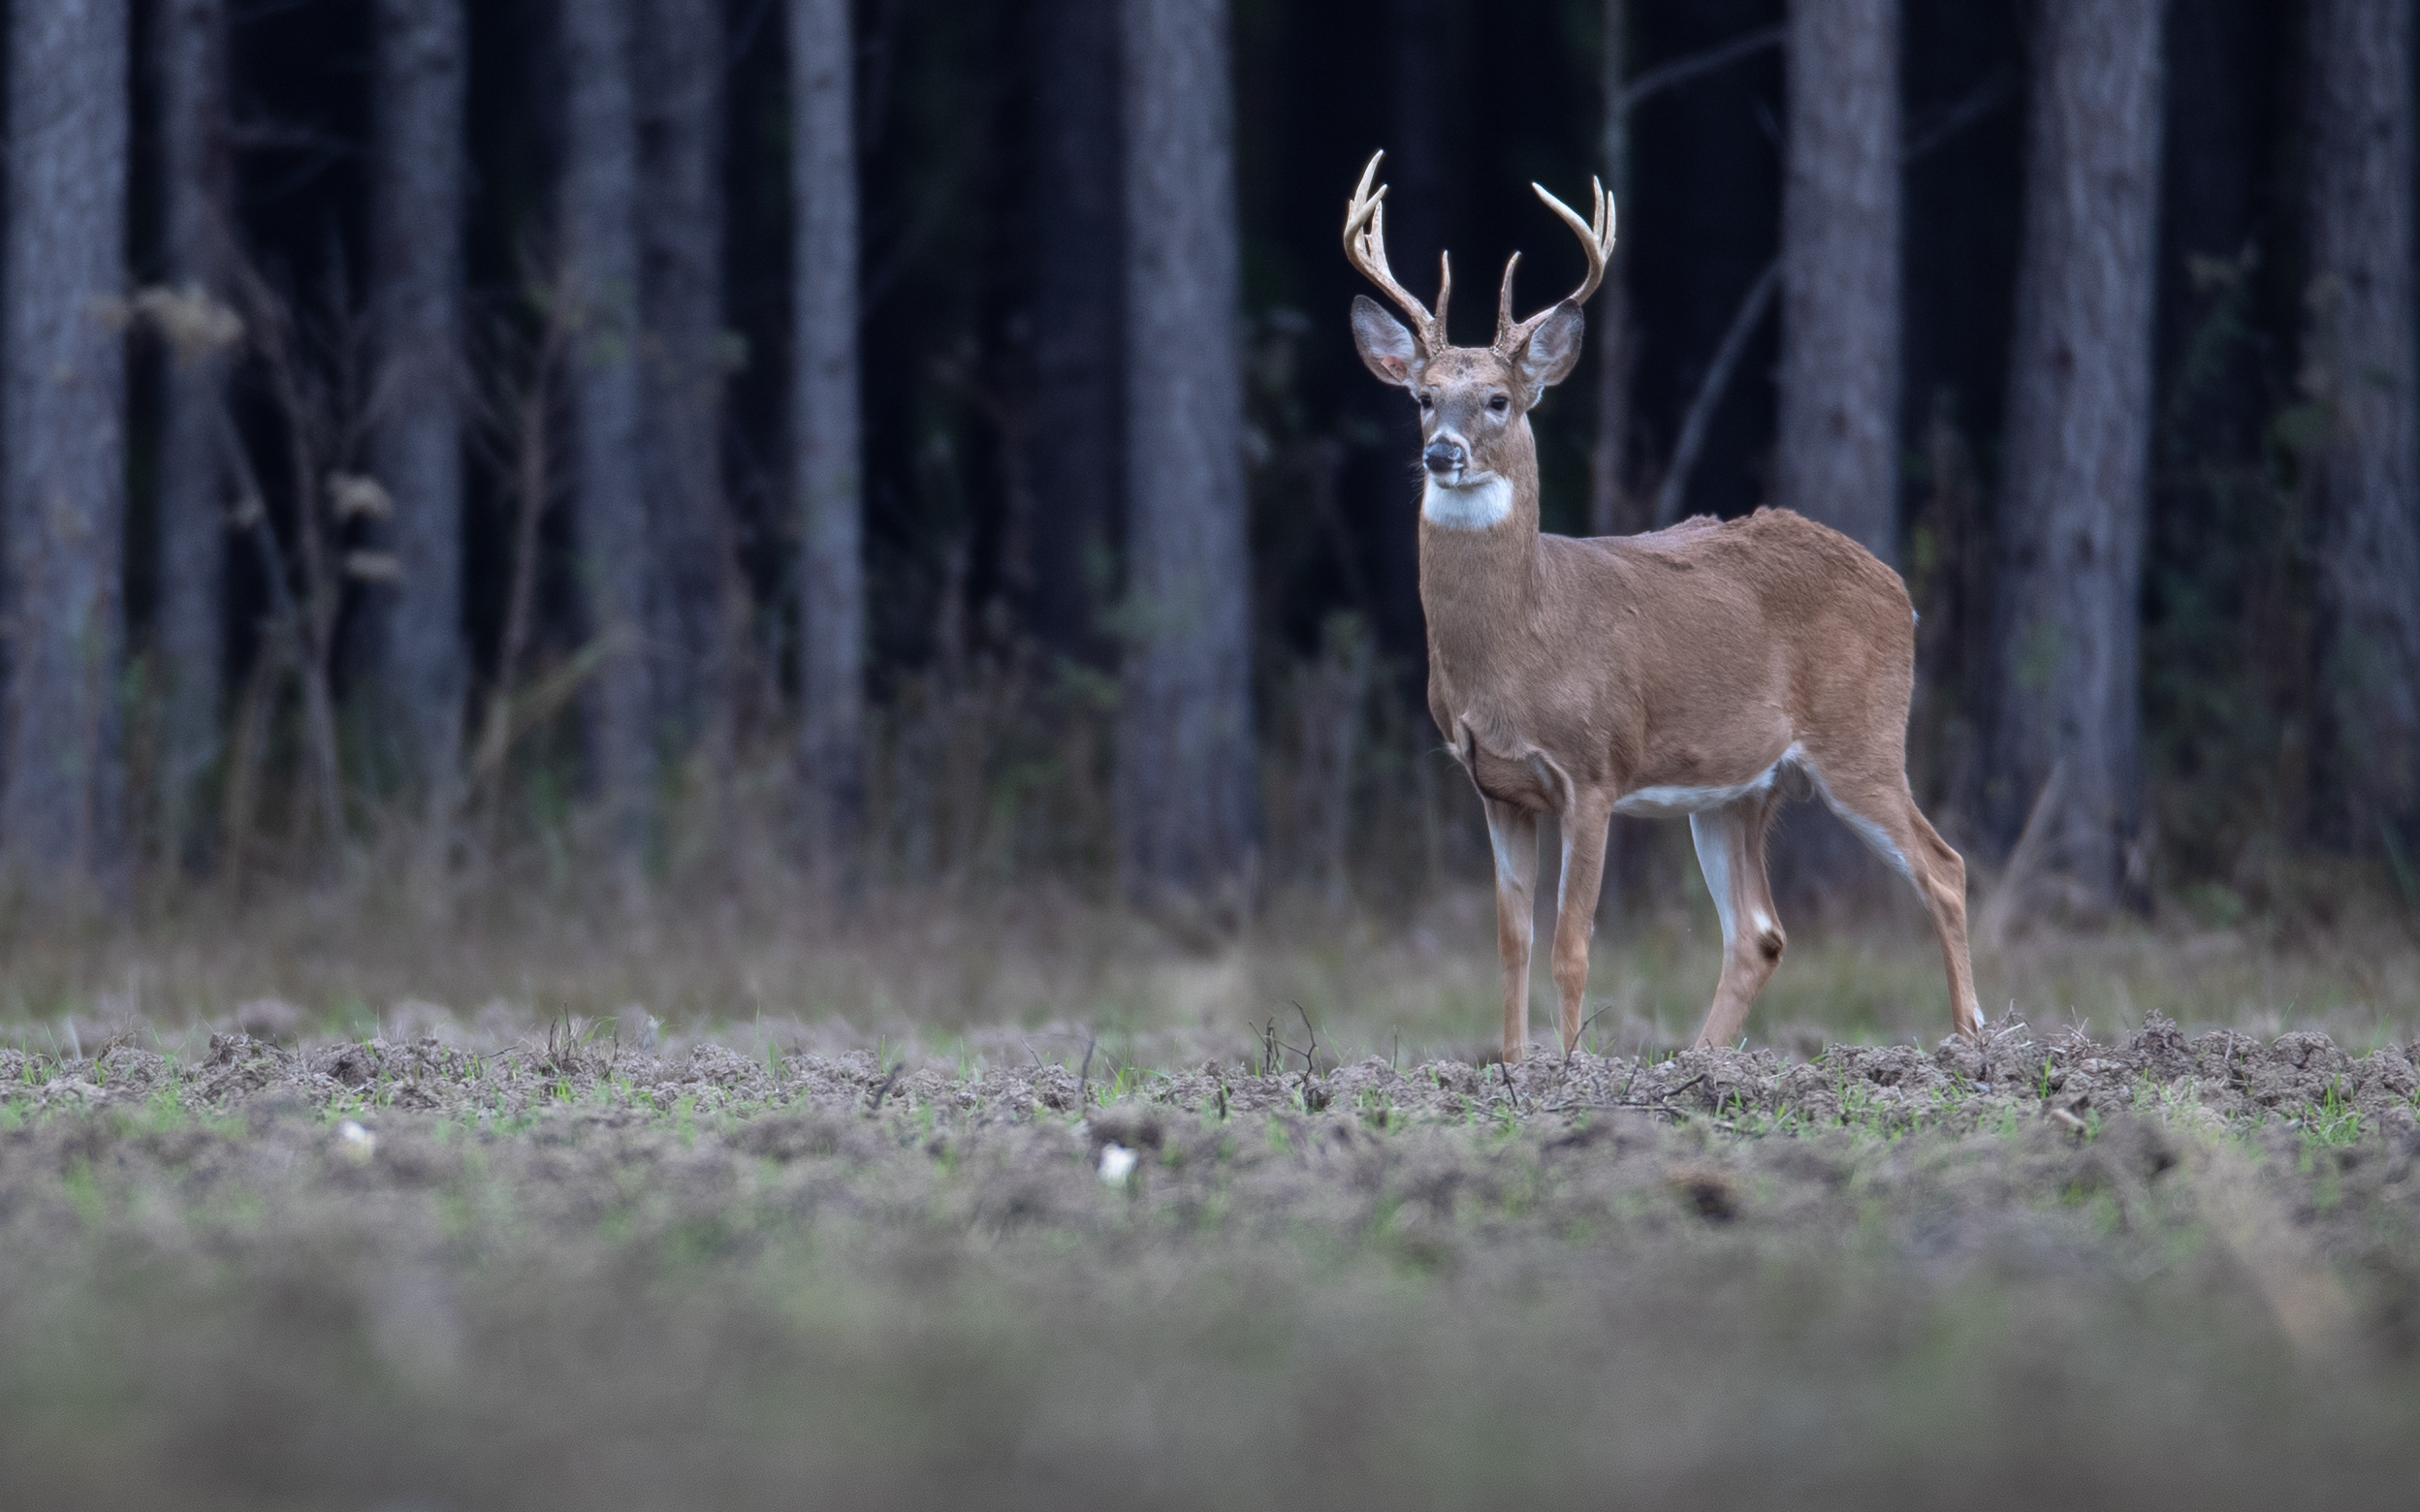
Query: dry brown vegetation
{"type": "Point", "coordinates": [732, 944]}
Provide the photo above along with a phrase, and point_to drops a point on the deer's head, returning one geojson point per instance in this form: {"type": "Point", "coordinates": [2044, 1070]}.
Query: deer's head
{"type": "Point", "coordinates": [1475, 401]}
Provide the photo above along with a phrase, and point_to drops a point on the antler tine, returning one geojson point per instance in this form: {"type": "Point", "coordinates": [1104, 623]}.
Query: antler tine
{"type": "Point", "coordinates": [1596, 236]}
{"type": "Point", "coordinates": [1595, 233]}
{"type": "Point", "coordinates": [1445, 292]}
{"type": "Point", "coordinates": [1366, 248]}
{"type": "Point", "coordinates": [1503, 298]}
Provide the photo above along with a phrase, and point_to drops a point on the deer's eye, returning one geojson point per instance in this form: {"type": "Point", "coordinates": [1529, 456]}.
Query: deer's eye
{"type": "Point", "coordinates": [1500, 403]}
{"type": "Point", "coordinates": [1427, 401]}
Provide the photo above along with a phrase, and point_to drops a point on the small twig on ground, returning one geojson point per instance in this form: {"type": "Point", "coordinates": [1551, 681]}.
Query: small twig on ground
{"type": "Point", "coordinates": [1631, 1105]}
{"type": "Point", "coordinates": [1307, 1028]}
{"type": "Point", "coordinates": [1661, 1102]}
{"type": "Point", "coordinates": [1510, 1091]}
{"type": "Point", "coordinates": [888, 1081]}
{"type": "Point", "coordinates": [1084, 1077]}
{"type": "Point", "coordinates": [1585, 1025]}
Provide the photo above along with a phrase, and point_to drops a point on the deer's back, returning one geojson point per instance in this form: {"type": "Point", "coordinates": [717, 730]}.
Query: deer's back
{"type": "Point", "coordinates": [1739, 637]}
{"type": "Point", "coordinates": [1796, 572]}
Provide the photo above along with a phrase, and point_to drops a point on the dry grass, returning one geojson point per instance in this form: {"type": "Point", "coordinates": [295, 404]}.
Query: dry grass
{"type": "Point", "coordinates": [767, 957]}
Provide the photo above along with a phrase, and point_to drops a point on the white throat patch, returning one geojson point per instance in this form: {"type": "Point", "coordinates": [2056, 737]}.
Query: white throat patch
{"type": "Point", "coordinates": [1473, 507]}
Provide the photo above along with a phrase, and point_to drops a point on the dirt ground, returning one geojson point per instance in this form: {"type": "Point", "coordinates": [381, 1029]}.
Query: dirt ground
{"type": "Point", "coordinates": [2170, 1270]}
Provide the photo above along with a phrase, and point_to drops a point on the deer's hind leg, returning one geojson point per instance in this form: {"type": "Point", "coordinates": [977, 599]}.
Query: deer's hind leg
{"type": "Point", "coordinates": [1883, 811]}
{"type": "Point", "coordinates": [1513, 835]}
{"type": "Point", "coordinates": [1731, 852]}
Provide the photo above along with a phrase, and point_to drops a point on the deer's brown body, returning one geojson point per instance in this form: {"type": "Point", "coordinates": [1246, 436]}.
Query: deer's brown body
{"type": "Point", "coordinates": [1711, 670]}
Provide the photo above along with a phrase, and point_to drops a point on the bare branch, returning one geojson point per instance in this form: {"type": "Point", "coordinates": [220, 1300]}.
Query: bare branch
{"type": "Point", "coordinates": [1656, 80]}
{"type": "Point", "coordinates": [1988, 96]}
{"type": "Point", "coordinates": [1675, 485]}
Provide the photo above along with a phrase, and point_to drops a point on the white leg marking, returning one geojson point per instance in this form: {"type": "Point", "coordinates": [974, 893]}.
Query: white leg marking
{"type": "Point", "coordinates": [1563, 881]}
{"type": "Point", "coordinates": [1872, 834]}
{"type": "Point", "coordinates": [1563, 878]}
{"type": "Point", "coordinates": [1502, 845]}
{"type": "Point", "coordinates": [1506, 870]}
{"type": "Point", "coordinates": [1713, 842]}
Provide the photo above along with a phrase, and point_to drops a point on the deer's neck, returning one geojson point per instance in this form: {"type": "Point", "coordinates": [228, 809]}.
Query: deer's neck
{"type": "Point", "coordinates": [1478, 569]}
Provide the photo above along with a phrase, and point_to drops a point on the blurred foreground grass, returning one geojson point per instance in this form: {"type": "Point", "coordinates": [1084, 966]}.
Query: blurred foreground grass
{"type": "Point", "coordinates": [2168, 1272]}
{"type": "Point", "coordinates": [361, 1197]}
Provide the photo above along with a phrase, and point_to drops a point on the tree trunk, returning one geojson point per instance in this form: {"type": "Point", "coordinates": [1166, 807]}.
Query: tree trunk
{"type": "Point", "coordinates": [414, 624]}
{"type": "Point", "coordinates": [2358, 362]}
{"type": "Point", "coordinates": [600, 252]}
{"type": "Point", "coordinates": [1837, 457]}
{"type": "Point", "coordinates": [1428, 122]}
{"type": "Point", "coordinates": [1835, 451]}
{"type": "Point", "coordinates": [681, 73]}
{"type": "Point", "coordinates": [64, 439]}
{"type": "Point", "coordinates": [1078, 266]}
{"type": "Point", "coordinates": [2072, 501]}
{"type": "Point", "coordinates": [826, 429]}
{"type": "Point", "coordinates": [1611, 508]}
{"type": "Point", "coordinates": [1185, 780]}
{"type": "Point", "coordinates": [189, 628]}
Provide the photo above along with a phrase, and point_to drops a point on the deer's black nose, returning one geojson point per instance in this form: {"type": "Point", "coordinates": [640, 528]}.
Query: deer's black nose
{"type": "Point", "coordinates": [1444, 457]}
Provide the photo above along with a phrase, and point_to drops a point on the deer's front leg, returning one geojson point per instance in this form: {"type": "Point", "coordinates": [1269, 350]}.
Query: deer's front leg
{"type": "Point", "coordinates": [1512, 834]}
{"type": "Point", "coordinates": [1575, 917]}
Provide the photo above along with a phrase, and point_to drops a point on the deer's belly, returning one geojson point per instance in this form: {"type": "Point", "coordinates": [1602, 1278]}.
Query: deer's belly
{"type": "Point", "coordinates": [1673, 801]}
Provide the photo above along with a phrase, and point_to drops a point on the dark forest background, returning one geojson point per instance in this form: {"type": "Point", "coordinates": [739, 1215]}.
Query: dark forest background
{"type": "Point", "coordinates": [641, 430]}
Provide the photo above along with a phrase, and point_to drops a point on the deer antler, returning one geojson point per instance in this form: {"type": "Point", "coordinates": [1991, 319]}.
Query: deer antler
{"type": "Point", "coordinates": [1365, 247]}
{"type": "Point", "coordinates": [1596, 235]}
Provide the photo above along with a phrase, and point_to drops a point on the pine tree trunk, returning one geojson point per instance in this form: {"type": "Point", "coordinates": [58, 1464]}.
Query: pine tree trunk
{"type": "Point", "coordinates": [681, 76]}
{"type": "Point", "coordinates": [2360, 360]}
{"type": "Point", "coordinates": [826, 429]}
{"type": "Point", "coordinates": [1185, 780]}
{"type": "Point", "coordinates": [413, 625]}
{"type": "Point", "coordinates": [1838, 452]}
{"type": "Point", "coordinates": [598, 227]}
{"type": "Point", "coordinates": [62, 434]}
{"type": "Point", "coordinates": [2072, 502]}
{"type": "Point", "coordinates": [1423, 45]}
{"type": "Point", "coordinates": [189, 626]}
{"type": "Point", "coordinates": [1612, 511]}
{"type": "Point", "coordinates": [1077, 269]}
{"type": "Point", "coordinates": [1835, 451]}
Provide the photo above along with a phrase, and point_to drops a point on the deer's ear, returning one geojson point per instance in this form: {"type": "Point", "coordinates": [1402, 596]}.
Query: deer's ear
{"type": "Point", "coordinates": [1386, 347]}
{"type": "Point", "coordinates": [1553, 349]}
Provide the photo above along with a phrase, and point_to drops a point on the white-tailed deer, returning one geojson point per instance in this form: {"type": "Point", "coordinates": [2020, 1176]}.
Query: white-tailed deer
{"type": "Point", "coordinates": [1711, 669]}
